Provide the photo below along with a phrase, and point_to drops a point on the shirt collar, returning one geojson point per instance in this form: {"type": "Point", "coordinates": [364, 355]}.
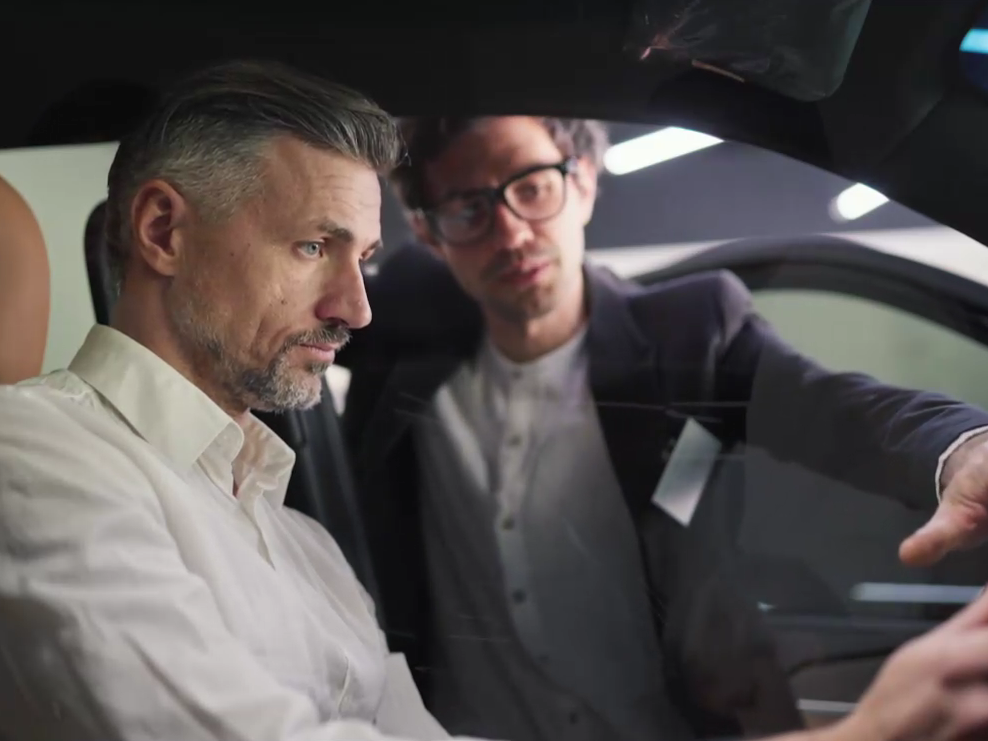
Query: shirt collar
{"type": "Point", "coordinates": [551, 371]}
{"type": "Point", "coordinates": [172, 413]}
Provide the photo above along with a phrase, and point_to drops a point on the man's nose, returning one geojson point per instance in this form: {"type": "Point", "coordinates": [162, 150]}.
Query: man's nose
{"type": "Point", "coordinates": [345, 298]}
{"type": "Point", "coordinates": [510, 230]}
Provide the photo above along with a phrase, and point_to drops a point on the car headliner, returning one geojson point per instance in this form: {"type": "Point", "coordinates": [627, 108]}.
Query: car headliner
{"type": "Point", "coordinates": [904, 120]}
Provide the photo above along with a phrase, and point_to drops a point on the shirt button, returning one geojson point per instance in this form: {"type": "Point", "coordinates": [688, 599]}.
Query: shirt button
{"type": "Point", "coordinates": [508, 522]}
{"type": "Point", "coordinates": [518, 596]}
{"type": "Point", "coordinates": [514, 441]}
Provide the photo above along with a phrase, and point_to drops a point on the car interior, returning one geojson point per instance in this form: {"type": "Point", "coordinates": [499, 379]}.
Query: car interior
{"type": "Point", "coordinates": [887, 93]}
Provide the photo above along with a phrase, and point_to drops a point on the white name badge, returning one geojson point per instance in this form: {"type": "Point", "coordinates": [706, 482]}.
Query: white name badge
{"type": "Point", "coordinates": [686, 474]}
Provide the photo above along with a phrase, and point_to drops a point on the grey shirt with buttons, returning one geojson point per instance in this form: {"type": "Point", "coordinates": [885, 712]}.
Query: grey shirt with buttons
{"type": "Point", "coordinates": [541, 619]}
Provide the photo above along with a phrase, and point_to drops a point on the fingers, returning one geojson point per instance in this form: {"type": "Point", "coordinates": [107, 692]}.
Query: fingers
{"type": "Point", "coordinates": [954, 526]}
{"type": "Point", "coordinates": [932, 688]}
{"type": "Point", "coordinates": [973, 615]}
{"type": "Point", "coordinates": [931, 542]}
{"type": "Point", "coordinates": [965, 657]}
{"type": "Point", "coordinates": [967, 712]}
{"type": "Point", "coordinates": [961, 520]}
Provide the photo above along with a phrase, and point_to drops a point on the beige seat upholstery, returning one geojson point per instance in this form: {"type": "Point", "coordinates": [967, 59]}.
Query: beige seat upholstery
{"type": "Point", "coordinates": [24, 289]}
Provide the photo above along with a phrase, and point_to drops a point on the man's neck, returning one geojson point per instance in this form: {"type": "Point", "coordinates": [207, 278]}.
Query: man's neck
{"type": "Point", "coordinates": [136, 322]}
{"type": "Point", "coordinates": [529, 340]}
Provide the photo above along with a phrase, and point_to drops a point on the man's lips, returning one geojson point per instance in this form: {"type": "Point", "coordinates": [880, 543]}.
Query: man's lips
{"type": "Point", "coordinates": [324, 351]}
{"type": "Point", "coordinates": [524, 273]}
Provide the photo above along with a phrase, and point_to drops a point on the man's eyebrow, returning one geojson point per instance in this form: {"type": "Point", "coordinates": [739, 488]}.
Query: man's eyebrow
{"type": "Point", "coordinates": [335, 231]}
{"type": "Point", "coordinates": [341, 234]}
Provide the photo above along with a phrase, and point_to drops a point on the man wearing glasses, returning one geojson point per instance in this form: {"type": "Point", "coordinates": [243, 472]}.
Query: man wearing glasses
{"type": "Point", "coordinates": [511, 413]}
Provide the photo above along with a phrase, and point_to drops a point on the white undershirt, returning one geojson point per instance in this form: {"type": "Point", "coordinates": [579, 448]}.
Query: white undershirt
{"type": "Point", "coordinates": [543, 625]}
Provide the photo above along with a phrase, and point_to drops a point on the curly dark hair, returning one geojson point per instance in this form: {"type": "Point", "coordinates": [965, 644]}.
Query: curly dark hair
{"type": "Point", "coordinates": [426, 138]}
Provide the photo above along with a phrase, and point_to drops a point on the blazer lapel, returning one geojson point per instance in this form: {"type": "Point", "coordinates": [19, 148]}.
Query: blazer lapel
{"type": "Point", "coordinates": [626, 387]}
{"type": "Point", "coordinates": [405, 397]}
{"type": "Point", "coordinates": [625, 383]}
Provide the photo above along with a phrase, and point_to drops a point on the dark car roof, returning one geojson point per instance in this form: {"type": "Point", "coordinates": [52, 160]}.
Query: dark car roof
{"type": "Point", "coordinates": [904, 120]}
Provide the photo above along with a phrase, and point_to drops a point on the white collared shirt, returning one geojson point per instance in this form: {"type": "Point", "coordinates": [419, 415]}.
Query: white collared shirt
{"type": "Point", "coordinates": [139, 599]}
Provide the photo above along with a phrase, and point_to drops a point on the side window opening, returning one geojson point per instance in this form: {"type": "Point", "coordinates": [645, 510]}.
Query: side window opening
{"type": "Point", "coordinates": [846, 537]}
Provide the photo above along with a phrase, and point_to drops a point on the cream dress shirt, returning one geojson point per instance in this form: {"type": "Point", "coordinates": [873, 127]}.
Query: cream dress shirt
{"type": "Point", "coordinates": [139, 599]}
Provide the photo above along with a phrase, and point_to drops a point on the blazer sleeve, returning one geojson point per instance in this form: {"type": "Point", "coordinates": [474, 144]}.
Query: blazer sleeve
{"type": "Point", "coordinates": [876, 437]}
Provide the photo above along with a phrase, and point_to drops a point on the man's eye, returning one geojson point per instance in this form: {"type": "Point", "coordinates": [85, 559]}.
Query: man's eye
{"type": "Point", "coordinates": [311, 249]}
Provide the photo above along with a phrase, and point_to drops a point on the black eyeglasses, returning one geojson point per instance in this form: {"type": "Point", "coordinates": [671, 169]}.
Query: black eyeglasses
{"type": "Point", "coordinates": [535, 194]}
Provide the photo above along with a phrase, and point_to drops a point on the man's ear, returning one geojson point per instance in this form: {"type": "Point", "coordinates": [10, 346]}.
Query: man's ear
{"type": "Point", "coordinates": [423, 232]}
{"type": "Point", "coordinates": [585, 187]}
{"type": "Point", "coordinates": [160, 215]}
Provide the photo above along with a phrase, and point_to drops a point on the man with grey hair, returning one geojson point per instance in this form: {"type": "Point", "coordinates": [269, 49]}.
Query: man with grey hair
{"type": "Point", "coordinates": [152, 585]}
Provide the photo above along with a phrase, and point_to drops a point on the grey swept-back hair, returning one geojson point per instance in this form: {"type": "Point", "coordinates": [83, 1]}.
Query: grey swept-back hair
{"type": "Point", "coordinates": [206, 137]}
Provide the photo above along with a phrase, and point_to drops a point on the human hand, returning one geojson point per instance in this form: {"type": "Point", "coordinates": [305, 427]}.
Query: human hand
{"type": "Point", "coordinates": [934, 688]}
{"type": "Point", "coordinates": [961, 520]}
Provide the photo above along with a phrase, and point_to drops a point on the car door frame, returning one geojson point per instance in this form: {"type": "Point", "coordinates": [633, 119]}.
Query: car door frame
{"type": "Point", "coordinates": [841, 265]}
{"type": "Point", "coordinates": [838, 265]}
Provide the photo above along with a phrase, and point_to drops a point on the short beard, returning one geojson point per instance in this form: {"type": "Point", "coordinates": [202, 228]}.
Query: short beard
{"type": "Point", "coordinates": [535, 304]}
{"type": "Point", "coordinates": [276, 387]}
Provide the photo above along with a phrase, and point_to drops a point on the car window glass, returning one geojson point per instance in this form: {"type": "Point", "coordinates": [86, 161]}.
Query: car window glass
{"type": "Point", "coordinates": [849, 333]}
{"type": "Point", "coordinates": [846, 537]}
{"type": "Point", "coordinates": [812, 547]}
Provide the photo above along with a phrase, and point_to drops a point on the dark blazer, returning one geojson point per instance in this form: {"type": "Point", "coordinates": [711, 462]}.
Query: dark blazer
{"type": "Point", "coordinates": [691, 347]}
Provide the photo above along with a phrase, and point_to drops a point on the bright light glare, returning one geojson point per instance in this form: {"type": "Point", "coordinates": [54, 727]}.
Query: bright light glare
{"type": "Point", "coordinates": [651, 149]}
{"type": "Point", "coordinates": [976, 41]}
{"type": "Point", "coordinates": [855, 202]}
